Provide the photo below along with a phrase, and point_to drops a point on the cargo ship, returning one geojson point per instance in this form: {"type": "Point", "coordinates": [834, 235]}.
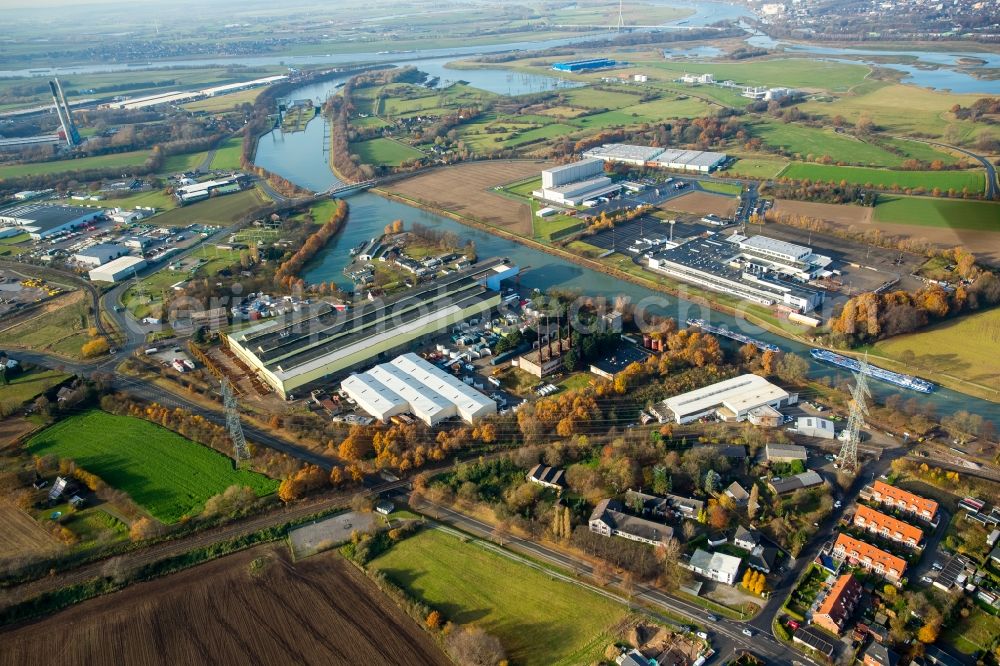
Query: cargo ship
{"type": "Point", "coordinates": [853, 364]}
{"type": "Point", "coordinates": [732, 335]}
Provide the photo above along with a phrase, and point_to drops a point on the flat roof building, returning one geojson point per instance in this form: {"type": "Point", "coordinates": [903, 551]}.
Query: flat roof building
{"type": "Point", "coordinates": [583, 65]}
{"type": "Point", "coordinates": [199, 191]}
{"type": "Point", "coordinates": [729, 266]}
{"type": "Point", "coordinates": [624, 153]}
{"type": "Point", "coordinates": [118, 269]}
{"type": "Point", "coordinates": [572, 172]}
{"type": "Point", "coordinates": [409, 384]}
{"type": "Point", "coordinates": [43, 220]}
{"type": "Point", "coordinates": [303, 348]}
{"type": "Point", "coordinates": [102, 253]}
{"type": "Point", "coordinates": [614, 363]}
{"type": "Point", "coordinates": [813, 426]}
{"type": "Point", "coordinates": [731, 399]}
{"type": "Point", "coordinates": [716, 566]}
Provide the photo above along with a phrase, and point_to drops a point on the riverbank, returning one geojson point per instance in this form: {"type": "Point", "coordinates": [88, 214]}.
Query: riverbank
{"type": "Point", "coordinates": [676, 289]}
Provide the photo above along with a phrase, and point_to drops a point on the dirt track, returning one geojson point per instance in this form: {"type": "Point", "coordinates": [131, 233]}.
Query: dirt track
{"type": "Point", "coordinates": [703, 203]}
{"type": "Point", "coordinates": [467, 189]}
{"type": "Point", "coordinates": [320, 611]}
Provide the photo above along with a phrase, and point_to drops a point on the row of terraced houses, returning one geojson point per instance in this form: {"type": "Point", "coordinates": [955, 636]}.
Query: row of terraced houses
{"type": "Point", "coordinates": [872, 558]}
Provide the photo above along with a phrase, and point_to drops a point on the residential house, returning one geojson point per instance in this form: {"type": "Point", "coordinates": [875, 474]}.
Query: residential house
{"type": "Point", "coordinates": [904, 501]}
{"type": "Point", "coordinates": [869, 557]}
{"type": "Point", "coordinates": [648, 505]}
{"type": "Point", "coordinates": [737, 494]}
{"type": "Point", "coordinates": [762, 558]}
{"type": "Point", "coordinates": [716, 566]}
{"type": "Point", "coordinates": [609, 519]}
{"type": "Point", "coordinates": [888, 527]}
{"type": "Point", "coordinates": [631, 658]}
{"type": "Point", "coordinates": [765, 416]}
{"type": "Point", "coordinates": [839, 604]}
{"type": "Point", "coordinates": [688, 507]}
{"type": "Point", "coordinates": [815, 640]}
{"type": "Point", "coordinates": [746, 539]}
{"type": "Point", "coordinates": [544, 475]}
{"type": "Point", "coordinates": [877, 654]}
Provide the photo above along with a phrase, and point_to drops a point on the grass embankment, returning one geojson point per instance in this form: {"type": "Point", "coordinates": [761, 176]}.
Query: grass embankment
{"type": "Point", "coordinates": [539, 620]}
{"type": "Point", "coordinates": [30, 385]}
{"type": "Point", "coordinates": [961, 353]}
{"type": "Point", "coordinates": [223, 210]}
{"type": "Point", "coordinates": [227, 155]}
{"type": "Point", "coordinates": [887, 178]}
{"type": "Point", "coordinates": [166, 474]}
{"type": "Point", "coordinates": [116, 160]}
{"type": "Point", "coordinates": [948, 213]}
{"type": "Point", "coordinates": [60, 327]}
{"type": "Point", "coordinates": [384, 152]}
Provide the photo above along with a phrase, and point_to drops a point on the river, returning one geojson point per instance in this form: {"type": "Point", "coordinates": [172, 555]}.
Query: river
{"type": "Point", "coordinates": [301, 159]}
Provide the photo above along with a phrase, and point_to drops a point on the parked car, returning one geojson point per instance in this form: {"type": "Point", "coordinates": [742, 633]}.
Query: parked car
{"type": "Point", "coordinates": [793, 625]}
{"type": "Point", "coordinates": [702, 635]}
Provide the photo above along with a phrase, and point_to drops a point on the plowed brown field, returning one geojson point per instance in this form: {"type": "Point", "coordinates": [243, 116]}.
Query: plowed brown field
{"type": "Point", "coordinates": [467, 190]}
{"type": "Point", "coordinates": [833, 213]}
{"type": "Point", "coordinates": [320, 611]}
{"type": "Point", "coordinates": [22, 535]}
{"type": "Point", "coordinates": [703, 203]}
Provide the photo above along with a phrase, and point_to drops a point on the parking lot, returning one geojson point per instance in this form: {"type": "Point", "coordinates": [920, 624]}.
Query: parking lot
{"type": "Point", "coordinates": [651, 228]}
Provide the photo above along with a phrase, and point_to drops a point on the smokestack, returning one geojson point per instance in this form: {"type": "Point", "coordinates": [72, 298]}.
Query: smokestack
{"type": "Point", "coordinates": [73, 135]}
{"type": "Point", "coordinates": [559, 332]}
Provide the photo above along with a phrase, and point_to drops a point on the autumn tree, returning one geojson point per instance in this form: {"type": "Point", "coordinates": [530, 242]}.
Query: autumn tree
{"type": "Point", "coordinates": [471, 646]}
{"type": "Point", "coordinates": [433, 620]}
{"type": "Point", "coordinates": [753, 504]}
{"type": "Point", "coordinates": [95, 347]}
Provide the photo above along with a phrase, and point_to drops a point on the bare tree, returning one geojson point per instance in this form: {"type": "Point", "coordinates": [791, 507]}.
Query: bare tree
{"type": "Point", "coordinates": [472, 646]}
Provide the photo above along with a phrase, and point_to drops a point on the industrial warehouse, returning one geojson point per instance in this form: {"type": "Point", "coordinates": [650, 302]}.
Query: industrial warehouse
{"type": "Point", "coordinates": [698, 161]}
{"type": "Point", "coordinates": [409, 384]}
{"type": "Point", "coordinates": [760, 269]}
{"type": "Point", "coordinates": [572, 184]}
{"type": "Point", "coordinates": [44, 220]}
{"type": "Point", "coordinates": [729, 400]}
{"type": "Point", "coordinates": [312, 346]}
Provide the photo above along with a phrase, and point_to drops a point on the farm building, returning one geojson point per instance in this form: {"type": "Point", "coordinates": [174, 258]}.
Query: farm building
{"type": "Point", "coordinates": [100, 254]}
{"type": "Point", "coordinates": [731, 399]}
{"type": "Point", "coordinates": [409, 384]}
{"type": "Point", "coordinates": [543, 475]}
{"type": "Point", "coordinates": [785, 452]}
{"type": "Point", "coordinates": [305, 348]}
{"type": "Point", "coordinates": [792, 483]}
{"type": "Point", "coordinates": [43, 220]}
{"type": "Point", "coordinates": [117, 270]}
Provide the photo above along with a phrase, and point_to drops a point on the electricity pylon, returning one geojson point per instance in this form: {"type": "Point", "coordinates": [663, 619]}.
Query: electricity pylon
{"type": "Point", "coordinates": [848, 458]}
{"type": "Point", "coordinates": [241, 454]}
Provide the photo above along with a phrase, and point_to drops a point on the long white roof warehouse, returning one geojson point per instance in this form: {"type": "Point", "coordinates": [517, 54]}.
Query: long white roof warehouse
{"type": "Point", "coordinates": [408, 383]}
{"type": "Point", "coordinates": [731, 399]}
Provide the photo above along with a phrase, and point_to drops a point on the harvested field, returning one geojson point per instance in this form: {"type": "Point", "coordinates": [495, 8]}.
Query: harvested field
{"type": "Point", "coordinates": [22, 536]}
{"type": "Point", "coordinates": [322, 611]}
{"type": "Point", "coordinates": [985, 244]}
{"type": "Point", "coordinates": [832, 213]}
{"type": "Point", "coordinates": [467, 190]}
{"type": "Point", "coordinates": [703, 203]}
{"type": "Point", "coordinates": [13, 429]}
